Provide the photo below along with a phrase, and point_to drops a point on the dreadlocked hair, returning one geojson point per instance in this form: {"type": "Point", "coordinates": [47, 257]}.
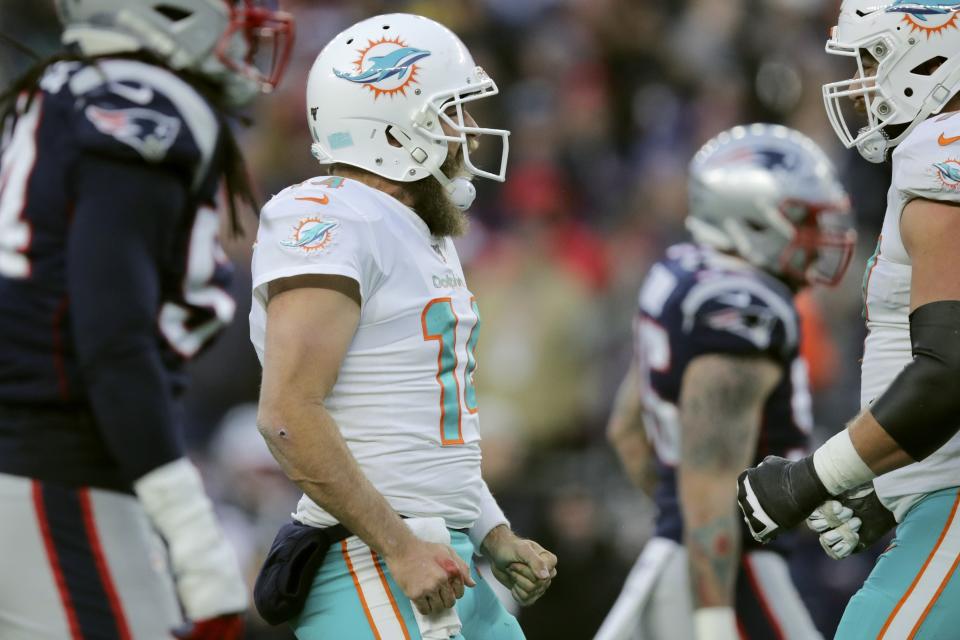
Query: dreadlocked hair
{"type": "Point", "coordinates": [236, 179]}
{"type": "Point", "coordinates": [27, 84]}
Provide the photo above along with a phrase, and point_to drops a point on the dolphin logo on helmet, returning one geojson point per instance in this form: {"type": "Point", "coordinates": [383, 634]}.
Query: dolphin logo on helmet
{"type": "Point", "coordinates": [396, 63]}
{"type": "Point", "coordinates": [922, 9]}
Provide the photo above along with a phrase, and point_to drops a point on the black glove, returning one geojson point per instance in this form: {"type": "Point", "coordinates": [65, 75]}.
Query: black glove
{"type": "Point", "coordinates": [778, 494]}
{"type": "Point", "coordinates": [851, 522]}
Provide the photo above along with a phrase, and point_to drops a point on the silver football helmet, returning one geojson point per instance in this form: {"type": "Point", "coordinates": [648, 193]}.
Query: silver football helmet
{"type": "Point", "coordinates": [770, 195]}
{"type": "Point", "coordinates": [238, 44]}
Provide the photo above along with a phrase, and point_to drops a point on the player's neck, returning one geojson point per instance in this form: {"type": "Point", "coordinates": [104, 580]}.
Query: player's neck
{"type": "Point", "coordinates": [391, 188]}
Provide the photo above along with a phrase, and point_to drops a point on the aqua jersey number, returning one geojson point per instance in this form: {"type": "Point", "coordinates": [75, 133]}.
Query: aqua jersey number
{"type": "Point", "coordinates": [440, 323]}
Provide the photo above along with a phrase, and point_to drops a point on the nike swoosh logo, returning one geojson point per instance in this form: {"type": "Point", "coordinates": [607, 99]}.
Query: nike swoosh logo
{"type": "Point", "coordinates": [141, 95]}
{"type": "Point", "coordinates": [944, 141]}
{"type": "Point", "coordinates": [321, 200]}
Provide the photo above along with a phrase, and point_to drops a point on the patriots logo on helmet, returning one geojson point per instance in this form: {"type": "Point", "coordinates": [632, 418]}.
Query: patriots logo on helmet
{"type": "Point", "coordinates": [767, 158]}
{"type": "Point", "coordinates": [385, 67]}
{"type": "Point", "coordinates": [150, 133]}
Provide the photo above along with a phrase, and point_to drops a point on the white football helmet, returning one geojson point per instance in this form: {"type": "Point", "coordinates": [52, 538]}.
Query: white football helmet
{"type": "Point", "coordinates": [906, 38]}
{"type": "Point", "coordinates": [379, 93]}
{"type": "Point", "coordinates": [220, 39]}
{"type": "Point", "coordinates": [770, 195]}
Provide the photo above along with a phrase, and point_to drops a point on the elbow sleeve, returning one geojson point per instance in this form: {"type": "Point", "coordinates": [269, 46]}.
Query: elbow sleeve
{"type": "Point", "coordinates": [921, 407]}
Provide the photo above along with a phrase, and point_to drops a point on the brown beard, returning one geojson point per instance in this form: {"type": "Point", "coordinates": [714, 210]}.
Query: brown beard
{"type": "Point", "coordinates": [431, 203]}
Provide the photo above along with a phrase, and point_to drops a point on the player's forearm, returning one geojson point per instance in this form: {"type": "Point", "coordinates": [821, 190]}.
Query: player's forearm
{"type": "Point", "coordinates": [877, 449]}
{"type": "Point", "coordinates": [137, 423]}
{"type": "Point", "coordinates": [636, 457]}
{"type": "Point", "coordinates": [721, 403]}
{"type": "Point", "coordinates": [626, 434]}
{"type": "Point", "coordinates": [711, 535]}
{"type": "Point", "coordinates": [113, 291]}
{"type": "Point", "coordinates": [490, 520]}
{"type": "Point", "coordinates": [306, 442]}
{"type": "Point", "coordinates": [718, 437]}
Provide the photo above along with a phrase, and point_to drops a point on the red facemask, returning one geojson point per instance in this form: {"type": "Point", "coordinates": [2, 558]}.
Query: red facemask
{"type": "Point", "coordinates": [269, 36]}
{"type": "Point", "coordinates": [821, 250]}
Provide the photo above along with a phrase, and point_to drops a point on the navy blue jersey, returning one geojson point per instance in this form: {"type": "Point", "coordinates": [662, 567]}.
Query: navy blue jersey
{"type": "Point", "coordinates": [697, 301]}
{"type": "Point", "coordinates": [116, 160]}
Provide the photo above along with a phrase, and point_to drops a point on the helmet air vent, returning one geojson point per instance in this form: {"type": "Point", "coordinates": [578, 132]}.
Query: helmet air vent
{"type": "Point", "coordinates": [174, 14]}
{"type": "Point", "coordinates": [928, 67]}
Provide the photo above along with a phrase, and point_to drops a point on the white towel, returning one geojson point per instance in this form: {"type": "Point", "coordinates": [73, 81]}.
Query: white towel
{"type": "Point", "coordinates": [443, 625]}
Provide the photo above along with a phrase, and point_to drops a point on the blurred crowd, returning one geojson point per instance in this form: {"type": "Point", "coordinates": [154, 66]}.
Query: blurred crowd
{"type": "Point", "coordinates": [606, 100]}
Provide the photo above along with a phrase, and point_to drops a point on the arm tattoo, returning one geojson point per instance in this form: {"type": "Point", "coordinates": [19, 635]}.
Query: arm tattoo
{"type": "Point", "coordinates": [720, 410]}
{"type": "Point", "coordinates": [713, 550]}
{"type": "Point", "coordinates": [720, 419]}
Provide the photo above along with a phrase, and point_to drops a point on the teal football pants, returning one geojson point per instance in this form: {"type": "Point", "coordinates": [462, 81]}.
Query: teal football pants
{"type": "Point", "coordinates": [914, 590]}
{"type": "Point", "coordinates": [353, 597]}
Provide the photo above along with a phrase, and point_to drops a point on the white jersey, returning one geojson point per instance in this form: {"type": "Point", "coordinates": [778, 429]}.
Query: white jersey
{"type": "Point", "coordinates": [404, 399]}
{"type": "Point", "coordinates": [923, 167]}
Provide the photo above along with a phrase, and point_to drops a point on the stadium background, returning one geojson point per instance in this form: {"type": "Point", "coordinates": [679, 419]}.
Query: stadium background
{"type": "Point", "coordinates": [607, 100]}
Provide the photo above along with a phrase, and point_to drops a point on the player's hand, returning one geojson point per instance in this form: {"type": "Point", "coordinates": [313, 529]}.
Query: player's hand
{"type": "Point", "coordinates": [778, 494]}
{"type": "Point", "coordinates": [522, 566]}
{"type": "Point", "coordinates": [226, 627]}
{"type": "Point", "coordinates": [852, 522]}
{"type": "Point", "coordinates": [207, 575]}
{"type": "Point", "coordinates": [431, 575]}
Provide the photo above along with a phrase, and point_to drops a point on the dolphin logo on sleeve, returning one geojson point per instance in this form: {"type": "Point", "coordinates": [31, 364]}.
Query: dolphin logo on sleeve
{"type": "Point", "coordinates": [949, 172]}
{"type": "Point", "coordinates": [311, 234]}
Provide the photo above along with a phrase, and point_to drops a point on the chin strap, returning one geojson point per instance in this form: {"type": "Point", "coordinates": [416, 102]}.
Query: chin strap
{"type": "Point", "coordinates": [460, 190]}
{"type": "Point", "coordinates": [874, 147]}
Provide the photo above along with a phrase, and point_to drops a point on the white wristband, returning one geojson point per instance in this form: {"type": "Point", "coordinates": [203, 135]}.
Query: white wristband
{"type": "Point", "coordinates": [839, 466]}
{"type": "Point", "coordinates": [204, 565]}
{"type": "Point", "coordinates": [491, 516]}
{"type": "Point", "coordinates": [715, 623]}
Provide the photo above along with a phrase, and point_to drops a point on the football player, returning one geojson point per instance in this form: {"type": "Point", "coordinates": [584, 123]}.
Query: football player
{"type": "Point", "coordinates": [111, 277]}
{"type": "Point", "coordinates": [718, 381]}
{"type": "Point", "coordinates": [367, 333]}
{"type": "Point", "coordinates": [907, 57]}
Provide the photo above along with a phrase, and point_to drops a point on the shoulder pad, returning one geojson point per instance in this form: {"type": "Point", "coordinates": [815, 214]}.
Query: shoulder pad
{"type": "Point", "coordinates": [740, 314]}
{"type": "Point", "coordinates": [927, 163]}
{"type": "Point", "coordinates": [133, 110]}
{"type": "Point", "coordinates": [310, 228]}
